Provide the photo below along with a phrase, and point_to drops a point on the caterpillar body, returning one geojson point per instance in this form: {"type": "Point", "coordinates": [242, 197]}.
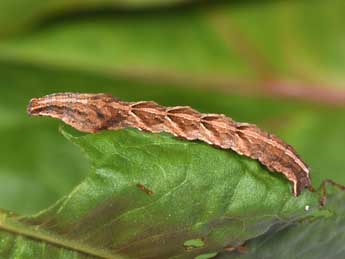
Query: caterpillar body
{"type": "Point", "coordinates": [96, 112]}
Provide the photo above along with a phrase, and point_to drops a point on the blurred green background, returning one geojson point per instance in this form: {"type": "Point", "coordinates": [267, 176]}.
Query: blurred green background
{"type": "Point", "coordinates": [279, 64]}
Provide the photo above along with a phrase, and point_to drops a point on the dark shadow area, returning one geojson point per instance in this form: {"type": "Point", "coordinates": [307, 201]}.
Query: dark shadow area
{"type": "Point", "coordinates": [169, 9]}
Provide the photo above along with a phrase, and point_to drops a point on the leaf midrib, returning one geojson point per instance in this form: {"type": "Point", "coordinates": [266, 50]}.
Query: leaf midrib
{"type": "Point", "coordinates": [11, 225]}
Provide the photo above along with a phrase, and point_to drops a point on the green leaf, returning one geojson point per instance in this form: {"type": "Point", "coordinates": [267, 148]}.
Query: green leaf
{"type": "Point", "coordinates": [227, 46]}
{"type": "Point", "coordinates": [202, 56]}
{"type": "Point", "coordinates": [29, 12]}
{"type": "Point", "coordinates": [322, 238]}
{"type": "Point", "coordinates": [196, 192]}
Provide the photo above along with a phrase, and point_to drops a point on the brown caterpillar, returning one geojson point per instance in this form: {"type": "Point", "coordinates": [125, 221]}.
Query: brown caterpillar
{"type": "Point", "coordinates": [96, 112]}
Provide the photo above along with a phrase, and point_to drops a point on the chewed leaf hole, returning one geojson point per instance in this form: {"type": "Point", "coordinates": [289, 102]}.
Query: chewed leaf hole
{"type": "Point", "coordinates": [206, 256]}
{"type": "Point", "coordinates": [194, 243]}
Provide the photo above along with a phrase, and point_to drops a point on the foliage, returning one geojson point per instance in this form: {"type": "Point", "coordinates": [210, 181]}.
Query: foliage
{"type": "Point", "coordinates": [241, 59]}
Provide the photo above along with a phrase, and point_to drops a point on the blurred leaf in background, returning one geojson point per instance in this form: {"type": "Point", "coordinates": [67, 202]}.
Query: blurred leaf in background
{"type": "Point", "coordinates": [279, 64]}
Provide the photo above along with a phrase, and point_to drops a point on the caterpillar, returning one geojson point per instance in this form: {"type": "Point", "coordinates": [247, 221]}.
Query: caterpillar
{"type": "Point", "coordinates": [96, 112]}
